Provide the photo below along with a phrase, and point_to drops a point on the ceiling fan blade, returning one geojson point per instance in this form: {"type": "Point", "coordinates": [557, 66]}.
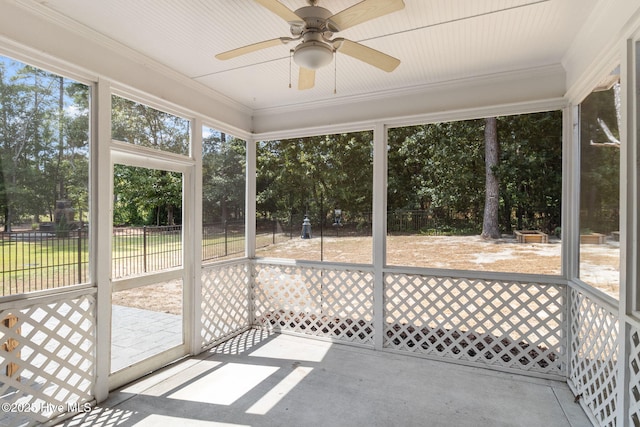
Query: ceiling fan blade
{"type": "Point", "coordinates": [279, 9]}
{"type": "Point", "coordinates": [251, 48]}
{"type": "Point", "coordinates": [367, 54]}
{"type": "Point", "coordinates": [306, 78]}
{"type": "Point", "coordinates": [365, 11]}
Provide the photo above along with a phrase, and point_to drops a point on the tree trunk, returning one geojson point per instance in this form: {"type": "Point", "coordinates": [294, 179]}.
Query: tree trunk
{"type": "Point", "coordinates": [170, 219]}
{"type": "Point", "coordinates": [7, 218]}
{"type": "Point", "coordinates": [62, 194]}
{"type": "Point", "coordinates": [490, 226]}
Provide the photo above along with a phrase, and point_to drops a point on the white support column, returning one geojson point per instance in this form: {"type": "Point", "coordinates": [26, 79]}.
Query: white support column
{"type": "Point", "coordinates": [379, 228]}
{"type": "Point", "coordinates": [250, 200]}
{"type": "Point", "coordinates": [100, 228]}
{"type": "Point", "coordinates": [250, 220]}
{"type": "Point", "coordinates": [628, 222]}
{"type": "Point", "coordinates": [570, 233]}
{"type": "Point", "coordinates": [193, 239]}
{"type": "Point", "coordinates": [571, 191]}
{"type": "Point", "coordinates": [629, 175]}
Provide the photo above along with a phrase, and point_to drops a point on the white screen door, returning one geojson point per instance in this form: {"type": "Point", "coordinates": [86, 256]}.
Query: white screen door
{"type": "Point", "coordinates": [147, 264]}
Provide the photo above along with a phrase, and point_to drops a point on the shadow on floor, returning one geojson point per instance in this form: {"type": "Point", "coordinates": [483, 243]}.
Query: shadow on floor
{"type": "Point", "coordinates": [263, 379]}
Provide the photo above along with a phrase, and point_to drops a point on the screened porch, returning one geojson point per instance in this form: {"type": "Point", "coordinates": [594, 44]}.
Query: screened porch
{"type": "Point", "coordinates": [190, 240]}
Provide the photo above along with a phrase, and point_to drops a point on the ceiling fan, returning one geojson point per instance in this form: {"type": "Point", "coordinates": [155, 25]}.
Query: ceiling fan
{"type": "Point", "coordinates": [315, 27]}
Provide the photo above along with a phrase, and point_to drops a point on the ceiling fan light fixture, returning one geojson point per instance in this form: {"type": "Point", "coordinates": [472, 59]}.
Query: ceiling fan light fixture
{"type": "Point", "coordinates": [316, 27]}
{"type": "Point", "coordinates": [313, 54]}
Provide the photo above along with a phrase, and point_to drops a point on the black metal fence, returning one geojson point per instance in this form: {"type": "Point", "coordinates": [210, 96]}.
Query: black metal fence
{"type": "Point", "coordinates": [222, 239]}
{"type": "Point", "coordinates": [36, 260]}
{"type": "Point", "coordinates": [270, 231]}
{"type": "Point", "coordinates": [138, 250]}
{"type": "Point", "coordinates": [438, 223]}
{"type": "Point", "coordinates": [427, 223]}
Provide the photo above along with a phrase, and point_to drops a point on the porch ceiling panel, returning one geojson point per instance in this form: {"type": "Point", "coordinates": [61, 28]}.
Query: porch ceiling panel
{"type": "Point", "coordinates": [436, 41]}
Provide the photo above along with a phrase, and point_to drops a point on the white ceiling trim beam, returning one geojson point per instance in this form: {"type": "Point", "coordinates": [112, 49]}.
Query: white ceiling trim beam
{"type": "Point", "coordinates": [529, 107]}
{"type": "Point", "coordinates": [596, 47]}
{"type": "Point", "coordinates": [497, 89]}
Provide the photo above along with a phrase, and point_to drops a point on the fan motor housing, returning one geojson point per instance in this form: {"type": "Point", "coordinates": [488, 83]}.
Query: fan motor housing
{"type": "Point", "coordinates": [313, 54]}
{"type": "Point", "coordinates": [317, 18]}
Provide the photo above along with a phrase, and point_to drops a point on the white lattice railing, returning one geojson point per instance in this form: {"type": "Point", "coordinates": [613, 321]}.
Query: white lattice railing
{"type": "Point", "coordinates": [49, 342]}
{"type": "Point", "coordinates": [594, 355]}
{"type": "Point", "coordinates": [225, 301]}
{"type": "Point", "coordinates": [634, 376]}
{"type": "Point", "coordinates": [498, 323]}
{"type": "Point", "coordinates": [47, 362]}
{"type": "Point", "coordinates": [329, 302]}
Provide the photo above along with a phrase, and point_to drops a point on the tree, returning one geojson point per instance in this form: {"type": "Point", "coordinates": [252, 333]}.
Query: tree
{"type": "Point", "coordinates": [223, 174]}
{"type": "Point", "coordinates": [26, 140]}
{"type": "Point", "coordinates": [140, 124]}
{"type": "Point", "coordinates": [438, 168]}
{"type": "Point", "coordinates": [314, 175]}
{"type": "Point", "coordinates": [599, 162]}
{"type": "Point", "coordinates": [75, 164]}
{"type": "Point", "coordinates": [148, 196]}
{"type": "Point", "coordinates": [43, 142]}
{"type": "Point", "coordinates": [530, 170]}
{"type": "Point", "coordinates": [441, 168]}
{"type": "Point", "coordinates": [490, 226]}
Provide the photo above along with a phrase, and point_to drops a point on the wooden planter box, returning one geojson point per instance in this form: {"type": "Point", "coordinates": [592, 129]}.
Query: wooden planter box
{"type": "Point", "coordinates": [592, 239]}
{"type": "Point", "coordinates": [531, 236]}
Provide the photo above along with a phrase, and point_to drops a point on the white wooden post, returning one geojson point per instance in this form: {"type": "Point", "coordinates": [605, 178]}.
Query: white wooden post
{"type": "Point", "coordinates": [379, 228]}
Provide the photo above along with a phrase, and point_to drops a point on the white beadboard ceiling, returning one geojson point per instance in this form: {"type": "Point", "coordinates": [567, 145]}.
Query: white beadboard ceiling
{"type": "Point", "coordinates": [436, 41]}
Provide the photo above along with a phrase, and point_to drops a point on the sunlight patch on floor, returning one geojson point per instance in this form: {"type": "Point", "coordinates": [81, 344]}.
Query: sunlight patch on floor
{"type": "Point", "coordinates": [225, 385]}
{"type": "Point", "coordinates": [156, 420]}
{"type": "Point", "coordinates": [273, 396]}
{"type": "Point", "coordinates": [289, 348]}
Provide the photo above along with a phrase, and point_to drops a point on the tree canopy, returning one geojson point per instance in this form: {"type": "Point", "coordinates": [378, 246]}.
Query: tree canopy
{"type": "Point", "coordinates": [147, 196]}
{"type": "Point", "coordinates": [599, 162]}
{"type": "Point", "coordinates": [303, 176]}
{"type": "Point", "coordinates": [223, 177]}
{"type": "Point", "coordinates": [438, 168]}
{"type": "Point", "coordinates": [43, 143]}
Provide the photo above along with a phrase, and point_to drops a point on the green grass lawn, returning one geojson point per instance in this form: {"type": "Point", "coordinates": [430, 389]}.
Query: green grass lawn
{"type": "Point", "coordinates": [49, 253]}
{"type": "Point", "coordinates": [32, 265]}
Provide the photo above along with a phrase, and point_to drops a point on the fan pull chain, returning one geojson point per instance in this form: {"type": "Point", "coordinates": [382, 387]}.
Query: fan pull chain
{"type": "Point", "coordinates": [290, 56]}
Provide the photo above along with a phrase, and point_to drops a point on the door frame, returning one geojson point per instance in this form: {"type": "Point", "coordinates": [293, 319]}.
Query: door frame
{"type": "Point", "coordinates": [136, 156]}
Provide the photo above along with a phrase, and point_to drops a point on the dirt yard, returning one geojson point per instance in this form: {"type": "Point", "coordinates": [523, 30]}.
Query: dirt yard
{"type": "Point", "coordinates": [599, 263]}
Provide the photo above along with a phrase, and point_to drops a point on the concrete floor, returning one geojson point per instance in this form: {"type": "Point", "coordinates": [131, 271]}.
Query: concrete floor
{"type": "Point", "coordinates": [261, 379]}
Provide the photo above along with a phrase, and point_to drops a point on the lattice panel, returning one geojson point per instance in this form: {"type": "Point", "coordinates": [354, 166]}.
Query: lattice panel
{"type": "Point", "coordinates": [243, 342]}
{"type": "Point", "coordinates": [225, 301]}
{"type": "Point", "coordinates": [594, 355]}
{"type": "Point", "coordinates": [49, 368]}
{"type": "Point", "coordinates": [634, 377]}
{"type": "Point", "coordinates": [315, 301]}
{"type": "Point", "coordinates": [506, 324]}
